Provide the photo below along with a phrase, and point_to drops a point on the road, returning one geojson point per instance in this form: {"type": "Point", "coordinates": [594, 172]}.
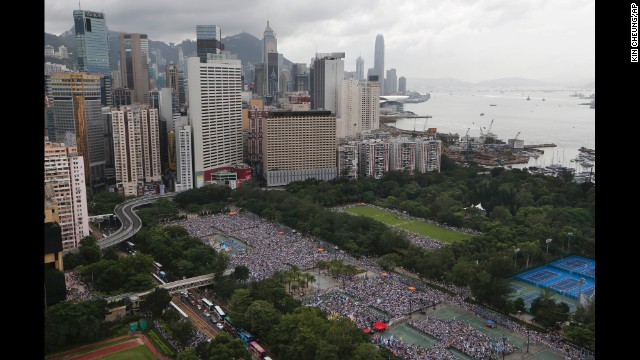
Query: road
{"type": "Point", "coordinates": [197, 319]}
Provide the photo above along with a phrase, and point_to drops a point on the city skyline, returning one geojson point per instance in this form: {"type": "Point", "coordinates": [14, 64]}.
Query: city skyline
{"type": "Point", "coordinates": [467, 40]}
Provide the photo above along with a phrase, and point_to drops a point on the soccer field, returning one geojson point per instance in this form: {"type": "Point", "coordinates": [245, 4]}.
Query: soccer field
{"type": "Point", "coordinates": [137, 353]}
{"type": "Point", "coordinates": [413, 225]}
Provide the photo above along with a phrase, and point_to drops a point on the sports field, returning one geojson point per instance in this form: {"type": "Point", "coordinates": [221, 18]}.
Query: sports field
{"type": "Point", "coordinates": [137, 353]}
{"type": "Point", "coordinates": [410, 224]}
{"type": "Point", "coordinates": [135, 347]}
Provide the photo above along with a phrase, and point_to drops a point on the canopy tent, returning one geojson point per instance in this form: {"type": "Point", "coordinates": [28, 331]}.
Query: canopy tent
{"type": "Point", "coordinates": [367, 331]}
{"type": "Point", "coordinates": [379, 325]}
{"type": "Point", "coordinates": [384, 274]}
{"type": "Point", "coordinates": [233, 213]}
{"type": "Point", "coordinates": [320, 249]}
{"type": "Point", "coordinates": [281, 233]}
{"type": "Point", "coordinates": [411, 288]}
{"type": "Point", "coordinates": [490, 324]}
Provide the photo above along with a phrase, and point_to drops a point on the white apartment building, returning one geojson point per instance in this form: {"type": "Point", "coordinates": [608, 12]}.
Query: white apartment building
{"type": "Point", "coordinates": [184, 158]}
{"type": "Point", "coordinates": [64, 170]}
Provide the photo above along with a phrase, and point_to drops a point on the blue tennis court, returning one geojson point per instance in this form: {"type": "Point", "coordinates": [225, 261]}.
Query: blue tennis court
{"type": "Point", "coordinates": [529, 297]}
{"type": "Point", "coordinates": [541, 276]}
{"type": "Point", "coordinates": [569, 277]}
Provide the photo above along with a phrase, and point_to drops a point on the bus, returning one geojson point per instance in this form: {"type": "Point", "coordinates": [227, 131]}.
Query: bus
{"type": "Point", "coordinates": [129, 246]}
{"type": "Point", "coordinates": [184, 315]}
{"type": "Point", "coordinates": [245, 336]}
{"type": "Point", "coordinates": [217, 310]}
{"type": "Point", "coordinates": [158, 266]}
{"type": "Point", "coordinates": [257, 351]}
{"type": "Point", "coordinates": [207, 304]}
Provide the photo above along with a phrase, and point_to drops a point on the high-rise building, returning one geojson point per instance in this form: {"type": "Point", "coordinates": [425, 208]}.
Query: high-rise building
{"type": "Point", "coordinates": [402, 85]}
{"type": "Point", "coordinates": [269, 44]}
{"type": "Point", "coordinates": [92, 48]}
{"type": "Point", "coordinates": [402, 155]}
{"type": "Point", "coordinates": [136, 147]}
{"type": "Point", "coordinates": [428, 154]}
{"type": "Point", "coordinates": [347, 160]}
{"type": "Point", "coordinates": [173, 82]}
{"type": "Point", "coordinates": [300, 76]}
{"type": "Point", "coordinates": [78, 121]}
{"type": "Point", "coordinates": [64, 170]}
{"type": "Point", "coordinates": [360, 107]}
{"type": "Point", "coordinates": [49, 50]}
{"type": "Point", "coordinates": [373, 158]}
{"type": "Point", "coordinates": [272, 75]}
{"type": "Point", "coordinates": [298, 145]}
{"type": "Point", "coordinates": [62, 50]}
{"type": "Point", "coordinates": [391, 82]}
{"type": "Point", "coordinates": [215, 111]}
{"type": "Point", "coordinates": [134, 65]}
{"type": "Point", "coordinates": [328, 73]}
{"type": "Point", "coordinates": [360, 68]}
{"type": "Point", "coordinates": [378, 61]}
{"type": "Point", "coordinates": [208, 41]}
{"type": "Point", "coordinates": [184, 157]}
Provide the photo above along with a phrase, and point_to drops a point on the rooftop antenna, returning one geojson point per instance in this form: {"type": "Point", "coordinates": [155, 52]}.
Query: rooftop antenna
{"type": "Point", "coordinates": [79, 7]}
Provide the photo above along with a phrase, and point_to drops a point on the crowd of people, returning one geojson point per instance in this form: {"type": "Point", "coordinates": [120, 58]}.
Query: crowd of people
{"type": "Point", "coordinates": [77, 290]}
{"type": "Point", "coordinates": [409, 351]}
{"type": "Point", "coordinates": [271, 247]}
{"type": "Point", "coordinates": [462, 336]}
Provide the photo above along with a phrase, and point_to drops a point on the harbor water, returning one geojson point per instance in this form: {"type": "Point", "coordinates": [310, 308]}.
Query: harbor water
{"type": "Point", "coordinates": [560, 118]}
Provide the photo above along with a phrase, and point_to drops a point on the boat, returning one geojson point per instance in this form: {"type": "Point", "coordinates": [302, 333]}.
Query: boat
{"type": "Point", "coordinates": [481, 114]}
{"type": "Point", "coordinates": [586, 164]}
{"type": "Point", "coordinates": [542, 99]}
{"type": "Point", "coordinates": [493, 105]}
{"type": "Point", "coordinates": [528, 98]}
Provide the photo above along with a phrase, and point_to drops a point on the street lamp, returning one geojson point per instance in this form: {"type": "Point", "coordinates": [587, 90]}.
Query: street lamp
{"type": "Point", "coordinates": [569, 235]}
{"type": "Point", "coordinates": [517, 250]}
{"type": "Point", "coordinates": [548, 241]}
{"type": "Point", "coordinates": [504, 347]}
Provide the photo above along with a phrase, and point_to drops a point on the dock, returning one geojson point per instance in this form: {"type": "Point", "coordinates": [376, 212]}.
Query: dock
{"type": "Point", "coordinates": [539, 146]}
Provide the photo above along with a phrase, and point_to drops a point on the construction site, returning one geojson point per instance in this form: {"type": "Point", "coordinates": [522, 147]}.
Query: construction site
{"type": "Point", "coordinates": [486, 149]}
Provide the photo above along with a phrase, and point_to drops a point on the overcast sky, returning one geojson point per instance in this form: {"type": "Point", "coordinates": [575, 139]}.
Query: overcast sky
{"type": "Point", "coordinates": [470, 40]}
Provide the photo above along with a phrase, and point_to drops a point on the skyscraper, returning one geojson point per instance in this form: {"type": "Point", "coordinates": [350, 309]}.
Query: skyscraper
{"type": "Point", "coordinates": [360, 68]}
{"type": "Point", "coordinates": [184, 157]}
{"type": "Point", "coordinates": [328, 73]}
{"type": "Point", "coordinates": [134, 65]}
{"type": "Point", "coordinates": [402, 85]}
{"type": "Point", "coordinates": [78, 120]}
{"type": "Point", "coordinates": [208, 41]}
{"type": "Point", "coordinates": [136, 147]}
{"type": "Point", "coordinates": [269, 44]}
{"type": "Point", "coordinates": [92, 48]}
{"type": "Point", "coordinates": [215, 108]}
{"type": "Point", "coordinates": [378, 61]}
{"type": "Point", "coordinates": [391, 82]}
{"type": "Point", "coordinates": [360, 107]}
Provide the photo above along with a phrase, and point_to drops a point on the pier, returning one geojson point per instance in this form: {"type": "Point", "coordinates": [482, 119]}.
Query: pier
{"type": "Point", "coordinates": [539, 146]}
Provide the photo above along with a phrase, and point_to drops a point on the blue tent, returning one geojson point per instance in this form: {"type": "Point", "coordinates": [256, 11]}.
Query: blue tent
{"type": "Point", "coordinates": [490, 324]}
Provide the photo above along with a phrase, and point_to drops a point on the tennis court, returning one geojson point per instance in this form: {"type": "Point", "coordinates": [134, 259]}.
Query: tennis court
{"type": "Point", "coordinates": [569, 277]}
{"type": "Point", "coordinates": [225, 243]}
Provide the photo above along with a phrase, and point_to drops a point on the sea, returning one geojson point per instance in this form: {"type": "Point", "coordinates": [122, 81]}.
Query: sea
{"type": "Point", "coordinates": [560, 119]}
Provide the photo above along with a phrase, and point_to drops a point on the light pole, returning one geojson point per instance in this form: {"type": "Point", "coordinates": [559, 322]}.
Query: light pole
{"type": "Point", "coordinates": [515, 262]}
{"type": "Point", "coordinates": [569, 235]}
{"type": "Point", "coordinates": [411, 289]}
{"type": "Point", "coordinates": [582, 281]}
{"type": "Point", "coordinates": [548, 241]}
{"type": "Point", "coordinates": [504, 347]}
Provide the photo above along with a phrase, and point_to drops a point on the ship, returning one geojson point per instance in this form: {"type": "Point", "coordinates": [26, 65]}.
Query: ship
{"type": "Point", "coordinates": [493, 105]}
{"type": "Point", "coordinates": [528, 98]}
{"type": "Point", "coordinates": [481, 114]}
{"type": "Point", "coordinates": [416, 97]}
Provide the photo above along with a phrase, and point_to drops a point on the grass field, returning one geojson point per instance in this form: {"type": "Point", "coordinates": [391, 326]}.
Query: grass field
{"type": "Point", "coordinates": [87, 349]}
{"type": "Point", "coordinates": [413, 225]}
{"type": "Point", "coordinates": [137, 353]}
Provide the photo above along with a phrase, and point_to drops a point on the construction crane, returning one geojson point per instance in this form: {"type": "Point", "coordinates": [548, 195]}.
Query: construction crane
{"type": "Point", "coordinates": [516, 137]}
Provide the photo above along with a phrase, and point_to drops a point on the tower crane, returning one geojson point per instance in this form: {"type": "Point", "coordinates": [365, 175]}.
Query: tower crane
{"type": "Point", "coordinates": [516, 137]}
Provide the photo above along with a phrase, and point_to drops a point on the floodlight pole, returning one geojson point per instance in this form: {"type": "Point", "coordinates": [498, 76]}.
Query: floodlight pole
{"type": "Point", "coordinates": [515, 262]}
{"type": "Point", "coordinates": [569, 235]}
{"type": "Point", "coordinates": [548, 241]}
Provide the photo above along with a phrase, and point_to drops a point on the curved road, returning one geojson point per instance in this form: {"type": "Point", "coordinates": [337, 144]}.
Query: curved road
{"type": "Point", "coordinates": [131, 223]}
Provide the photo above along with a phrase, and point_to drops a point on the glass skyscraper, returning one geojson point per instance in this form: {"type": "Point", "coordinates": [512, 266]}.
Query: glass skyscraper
{"type": "Point", "coordinates": [378, 61]}
{"type": "Point", "coordinates": [208, 41]}
{"type": "Point", "coordinates": [92, 48]}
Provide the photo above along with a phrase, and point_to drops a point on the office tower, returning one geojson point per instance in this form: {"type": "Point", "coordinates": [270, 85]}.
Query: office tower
{"type": "Point", "coordinates": [255, 134]}
{"type": "Point", "coordinates": [122, 97]}
{"type": "Point", "coordinates": [298, 145]}
{"type": "Point", "coordinates": [215, 110]}
{"type": "Point", "coordinates": [78, 120]}
{"type": "Point", "coordinates": [136, 147]}
{"type": "Point", "coordinates": [347, 160]}
{"type": "Point", "coordinates": [208, 41]}
{"type": "Point", "coordinates": [428, 154]}
{"type": "Point", "coordinates": [360, 68]}
{"type": "Point", "coordinates": [48, 50]}
{"type": "Point", "coordinates": [402, 155]}
{"type": "Point", "coordinates": [173, 82]}
{"type": "Point", "coordinates": [328, 73]}
{"type": "Point", "coordinates": [272, 74]}
{"type": "Point", "coordinates": [134, 65]}
{"type": "Point", "coordinates": [402, 85]}
{"type": "Point", "coordinates": [391, 82]}
{"type": "Point", "coordinates": [300, 75]}
{"type": "Point", "coordinates": [92, 48]}
{"type": "Point", "coordinates": [373, 158]}
{"type": "Point", "coordinates": [260, 80]}
{"type": "Point", "coordinates": [360, 107]}
{"type": "Point", "coordinates": [184, 157]}
{"type": "Point", "coordinates": [109, 165]}
{"type": "Point", "coordinates": [378, 61]}
{"type": "Point", "coordinates": [269, 44]}
{"type": "Point", "coordinates": [64, 170]}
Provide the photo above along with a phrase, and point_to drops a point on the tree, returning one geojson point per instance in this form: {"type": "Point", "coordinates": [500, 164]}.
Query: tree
{"type": "Point", "coordinates": [224, 347]}
{"type": "Point", "coordinates": [261, 316]}
{"type": "Point", "coordinates": [241, 273]}
{"type": "Point", "coordinates": [367, 351]}
{"type": "Point", "coordinates": [547, 312]}
{"type": "Point", "coordinates": [182, 331]}
{"type": "Point", "coordinates": [519, 305]}
{"type": "Point", "coordinates": [238, 305]}
{"type": "Point", "coordinates": [188, 354]}
{"type": "Point", "coordinates": [156, 301]}
{"type": "Point", "coordinates": [90, 250]}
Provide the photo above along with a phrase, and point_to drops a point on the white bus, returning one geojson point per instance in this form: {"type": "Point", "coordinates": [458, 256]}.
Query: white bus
{"type": "Point", "coordinates": [218, 312]}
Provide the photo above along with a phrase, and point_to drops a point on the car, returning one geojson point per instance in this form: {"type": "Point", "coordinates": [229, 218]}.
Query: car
{"type": "Point", "coordinates": [219, 325]}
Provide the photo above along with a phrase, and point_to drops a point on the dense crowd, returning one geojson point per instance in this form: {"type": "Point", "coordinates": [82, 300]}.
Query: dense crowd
{"type": "Point", "coordinates": [271, 247]}
{"type": "Point", "coordinates": [413, 352]}
{"type": "Point", "coordinates": [77, 290]}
